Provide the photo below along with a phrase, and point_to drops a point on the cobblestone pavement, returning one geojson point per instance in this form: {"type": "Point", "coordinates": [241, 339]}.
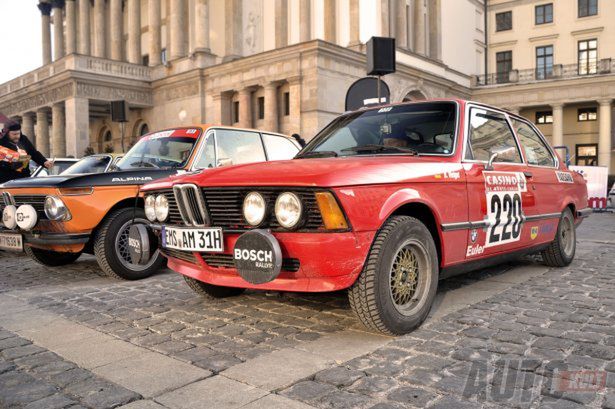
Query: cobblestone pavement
{"type": "Point", "coordinates": [512, 336]}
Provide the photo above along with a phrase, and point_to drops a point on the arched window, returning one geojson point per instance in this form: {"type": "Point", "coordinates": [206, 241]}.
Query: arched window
{"type": "Point", "coordinates": [143, 129]}
{"type": "Point", "coordinates": [107, 136]}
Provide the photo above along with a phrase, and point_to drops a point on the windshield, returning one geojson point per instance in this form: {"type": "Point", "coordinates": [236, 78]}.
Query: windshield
{"type": "Point", "coordinates": [58, 167]}
{"type": "Point", "coordinates": [161, 152]}
{"type": "Point", "coordinates": [420, 128]}
{"type": "Point", "coordinates": [90, 164]}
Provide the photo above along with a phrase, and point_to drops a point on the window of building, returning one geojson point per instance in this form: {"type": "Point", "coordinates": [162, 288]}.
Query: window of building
{"type": "Point", "coordinates": [503, 65]}
{"type": "Point", "coordinates": [586, 154]}
{"type": "Point", "coordinates": [544, 62]}
{"type": "Point", "coordinates": [235, 112]}
{"type": "Point", "coordinates": [503, 21]}
{"type": "Point", "coordinates": [588, 8]}
{"type": "Point", "coordinates": [490, 133]}
{"type": "Point", "coordinates": [544, 117]}
{"type": "Point", "coordinates": [587, 114]}
{"type": "Point", "coordinates": [261, 107]}
{"type": "Point", "coordinates": [588, 57]}
{"type": "Point", "coordinates": [536, 151]}
{"type": "Point", "coordinates": [544, 13]}
{"type": "Point", "coordinates": [144, 129]}
{"type": "Point", "coordinates": [286, 103]}
{"type": "Point", "coordinates": [163, 56]}
{"type": "Point", "coordinates": [145, 60]}
{"type": "Point", "coordinates": [107, 136]}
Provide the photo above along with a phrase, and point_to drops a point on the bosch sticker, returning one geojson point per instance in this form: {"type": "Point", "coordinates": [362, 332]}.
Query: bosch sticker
{"type": "Point", "coordinates": [504, 206]}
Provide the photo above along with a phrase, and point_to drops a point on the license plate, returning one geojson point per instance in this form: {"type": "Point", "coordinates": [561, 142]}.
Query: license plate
{"type": "Point", "coordinates": [179, 238]}
{"type": "Point", "coordinates": [9, 241]}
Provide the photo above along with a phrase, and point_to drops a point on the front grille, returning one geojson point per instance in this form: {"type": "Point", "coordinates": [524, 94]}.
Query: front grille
{"type": "Point", "coordinates": [189, 200]}
{"type": "Point", "coordinates": [181, 255]}
{"type": "Point", "coordinates": [226, 261]}
{"type": "Point", "coordinates": [225, 207]}
{"type": "Point", "coordinates": [36, 201]}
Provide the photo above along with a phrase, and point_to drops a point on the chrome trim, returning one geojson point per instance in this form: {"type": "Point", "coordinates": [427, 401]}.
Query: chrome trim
{"type": "Point", "coordinates": [190, 215]}
{"type": "Point", "coordinates": [543, 216]}
{"type": "Point", "coordinates": [485, 223]}
{"type": "Point", "coordinates": [585, 212]}
{"type": "Point", "coordinates": [8, 199]}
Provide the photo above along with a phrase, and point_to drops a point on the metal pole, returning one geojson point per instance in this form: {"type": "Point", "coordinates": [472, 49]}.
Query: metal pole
{"type": "Point", "coordinates": [379, 89]}
{"type": "Point", "coordinates": [122, 124]}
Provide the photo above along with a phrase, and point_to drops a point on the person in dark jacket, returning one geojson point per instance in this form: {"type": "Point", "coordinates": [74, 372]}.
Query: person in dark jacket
{"type": "Point", "coordinates": [15, 140]}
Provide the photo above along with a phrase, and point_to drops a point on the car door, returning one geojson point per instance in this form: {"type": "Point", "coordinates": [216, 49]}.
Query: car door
{"type": "Point", "coordinates": [546, 181]}
{"type": "Point", "coordinates": [499, 196]}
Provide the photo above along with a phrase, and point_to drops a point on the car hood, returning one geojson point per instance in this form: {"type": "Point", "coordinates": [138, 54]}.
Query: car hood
{"type": "Point", "coordinates": [323, 172]}
{"type": "Point", "coordinates": [116, 178]}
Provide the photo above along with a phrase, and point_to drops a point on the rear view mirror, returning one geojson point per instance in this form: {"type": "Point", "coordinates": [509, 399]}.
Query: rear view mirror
{"type": "Point", "coordinates": [224, 162]}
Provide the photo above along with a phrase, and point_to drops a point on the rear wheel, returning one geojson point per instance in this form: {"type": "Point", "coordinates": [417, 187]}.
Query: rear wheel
{"type": "Point", "coordinates": [397, 286]}
{"type": "Point", "coordinates": [212, 291]}
{"type": "Point", "coordinates": [562, 249]}
{"type": "Point", "coordinates": [111, 247]}
{"type": "Point", "coordinates": [51, 258]}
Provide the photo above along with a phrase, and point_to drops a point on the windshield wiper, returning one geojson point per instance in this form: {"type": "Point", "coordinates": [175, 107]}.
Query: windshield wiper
{"type": "Point", "coordinates": [380, 148]}
{"type": "Point", "coordinates": [317, 154]}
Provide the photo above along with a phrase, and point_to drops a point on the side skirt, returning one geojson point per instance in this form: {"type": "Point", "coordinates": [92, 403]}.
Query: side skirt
{"type": "Point", "coordinates": [467, 266]}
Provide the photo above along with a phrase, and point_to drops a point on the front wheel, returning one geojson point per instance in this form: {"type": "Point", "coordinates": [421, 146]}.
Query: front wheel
{"type": "Point", "coordinates": [111, 247]}
{"type": "Point", "coordinates": [395, 291]}
{"type": "Point", "coordinates": [212, 291]}
{"type": "Point", "coordinates": [562, 249]}
{"type": "Point", "coordinates": [51, 258]}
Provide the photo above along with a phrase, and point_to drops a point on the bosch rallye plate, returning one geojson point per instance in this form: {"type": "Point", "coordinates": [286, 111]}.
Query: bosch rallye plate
{"type": "Point", "coordinates": [258, 257]}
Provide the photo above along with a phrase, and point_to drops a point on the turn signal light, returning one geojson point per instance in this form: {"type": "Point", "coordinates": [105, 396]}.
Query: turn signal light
{"type": "Point", "coordinates": [332, 215]}
{"type": "Point", "coordinates": [76, 191]}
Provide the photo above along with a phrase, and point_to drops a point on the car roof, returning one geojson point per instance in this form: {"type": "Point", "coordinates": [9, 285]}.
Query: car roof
{"type": "Point", "coordinates": [205, 127]}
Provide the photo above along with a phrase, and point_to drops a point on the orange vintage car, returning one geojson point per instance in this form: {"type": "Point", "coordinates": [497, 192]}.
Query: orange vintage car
{"type": "Point", "coordinates": [55, 219]}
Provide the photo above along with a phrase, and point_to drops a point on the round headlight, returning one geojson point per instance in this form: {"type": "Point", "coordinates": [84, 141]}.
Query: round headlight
{"type": "Point", "coordinates": [55, 209]}
{"type": "Point", "coordinates": [8, 217]}
{"type": "Point", "coordinates": [162, 208]}
{"type": "Point", "coordinates": [288, 210]}
{"type": "Point", "coordinates": [254, 208]}
{"type": "Point", "coordinates": [150, 208]}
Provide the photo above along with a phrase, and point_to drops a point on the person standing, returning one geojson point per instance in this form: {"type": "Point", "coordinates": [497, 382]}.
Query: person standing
{"type": "Point", "coordinates": [17, 168]}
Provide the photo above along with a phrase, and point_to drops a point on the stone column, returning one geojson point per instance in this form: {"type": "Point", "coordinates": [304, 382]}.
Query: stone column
{"type": "Point", "coordinates": [42, 131]}
{"type": "Point", "coordinates": [58, 137]}
{"type": "Point", "coordinates": [294, 90]}
{"type": "Point", "coordinates": [385, 13]}
{"type": "Point", "coordinates": [604, 141]}
{"type": "Point", "coordinates": [281, 23]}
{"type": "Point", "coordinates": [77, 126]}
{"type": "Point", "coordinates": [45, 9]}
{"type": "Point", "coordinates": [71, 27]}
{"type": "Point", "coordinates": [401, 24]}
{"type": "Point", "coordinates": [83, 41]}
{"type": "Point", "coordinates": [558, 124]}
{"type": "Point", "coordinates": [155, 47]}
{"type": "Point", "coordinates": [420, 40]}
{"type": "Point", "coordinates": [100, 36]}
{"type": "Point", "coordinates": [233, 31]}
{"type": "Point", "coordinates": [58, 29]}
{"type": "Point", "coordinates": [245, 108]}
{"type": "Point", "coordinates": [27, 126]}
{"type": "Point", "coordinates": [177, 48]}
{"type": "Point", "coordinates": [330, 21]}
{"type": "Point", "coordinates": [435, 29]}
{"type": "Point", "coordinates": [202, 52]}
{"type": "Point", "coordinates": [305, 18]}
{"type": "Point", "coordinates": [354, 24]}
{"type": "Point", "coordinates": [134, 31]}
{"type": "Point", "coordinates": [271, 107]}
{"type": "Point", "coordinates": [115, 24]}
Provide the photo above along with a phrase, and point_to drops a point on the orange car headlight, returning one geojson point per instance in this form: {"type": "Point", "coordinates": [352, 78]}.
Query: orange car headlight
{"type": "Point", "coordinates": [332, 214]}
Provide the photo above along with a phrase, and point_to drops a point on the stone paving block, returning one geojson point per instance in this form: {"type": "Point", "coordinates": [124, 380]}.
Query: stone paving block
{"type": "Point", "coordinates": [214, 392]}
{"type": "Point", "coordinates": [142, 404]}
{"type": "Point", "coordinates": [151, 374]}
{"type": "Point", "coordinates": [275, 402]}
{"type": "Point", "coordinates": [97, 351]}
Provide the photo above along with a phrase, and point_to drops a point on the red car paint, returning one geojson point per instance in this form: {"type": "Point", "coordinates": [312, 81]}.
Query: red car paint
{"type": "Point", "coordinates": [371, 188]}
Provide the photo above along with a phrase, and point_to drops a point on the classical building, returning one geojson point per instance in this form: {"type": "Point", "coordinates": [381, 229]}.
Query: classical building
{"type": "Point", "coordinates": [279, 65]}
{"type": "Point", "coordinates": [552, 61]}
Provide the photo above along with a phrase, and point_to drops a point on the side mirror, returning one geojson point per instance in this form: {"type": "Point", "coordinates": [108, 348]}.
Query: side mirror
{"type": "Point", "coordinates": [491, 159]}
{"type": "Point", "coordinates": [224, 162]}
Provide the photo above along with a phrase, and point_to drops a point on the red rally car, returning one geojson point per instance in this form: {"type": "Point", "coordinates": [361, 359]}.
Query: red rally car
{"type": "Point", "coordinates": [383, 202]}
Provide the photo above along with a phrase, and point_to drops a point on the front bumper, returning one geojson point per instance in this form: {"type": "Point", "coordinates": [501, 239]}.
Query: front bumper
{"type": "Point", "coordinates": [55, 241]}
{"type": "Point", "coordinates": [312, 262]}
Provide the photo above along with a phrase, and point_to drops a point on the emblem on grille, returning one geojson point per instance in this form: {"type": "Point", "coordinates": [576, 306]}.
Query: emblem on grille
{"type": "Point", "coordinates": [191, 205]}
{"type": "Point", "coordinates": [8, 199]}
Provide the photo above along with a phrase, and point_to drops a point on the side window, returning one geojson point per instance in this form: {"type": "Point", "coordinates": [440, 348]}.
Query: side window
{"type": "Point", "coordinates": [279, 148]}
{"type": "Point", "coordinates": [236, 147]}
{"type": "Point", "coordinates": [207, 157]}
{"type": "Point", "coordinates": [536, 152]}
{"type": "Point", "coordinates": [489, 133]}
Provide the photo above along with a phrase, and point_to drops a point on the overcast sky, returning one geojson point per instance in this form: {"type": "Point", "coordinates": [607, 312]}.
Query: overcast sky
{"type": "Point", "coordinates": [20, 38]}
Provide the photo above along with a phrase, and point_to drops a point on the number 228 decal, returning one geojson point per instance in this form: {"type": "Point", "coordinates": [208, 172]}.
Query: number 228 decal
{"type": "Point", "coordinates": [504, 206]}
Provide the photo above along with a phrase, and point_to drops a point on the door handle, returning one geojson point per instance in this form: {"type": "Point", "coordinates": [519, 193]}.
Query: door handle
{"type": "Point", "coordinates": [528, 174]}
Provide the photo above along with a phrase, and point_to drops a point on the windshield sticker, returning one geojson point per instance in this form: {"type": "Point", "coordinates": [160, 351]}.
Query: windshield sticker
{"type": "Point", "coordinates": [385, 109]}
{"type": "Point", "coordinates": [191, 131]}
{"type": "Point", "coordinates": [564, 177]}
{"type": "Point", "coordinates": [162, 134]}
{"type": "Point", "coordinates": [504, 206]}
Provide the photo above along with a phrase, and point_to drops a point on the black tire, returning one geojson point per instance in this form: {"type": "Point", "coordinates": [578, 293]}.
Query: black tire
{"type": "Point", "coordinates": [562, 249]}
{"type": "Point", "coordinates": [51, 258]}
{"type": "Point", "coordinates": [112, 256]}
{"type": "Point", "coordinates": [212, 291]}
{"type": "Point", "coordinates": [380, 288]}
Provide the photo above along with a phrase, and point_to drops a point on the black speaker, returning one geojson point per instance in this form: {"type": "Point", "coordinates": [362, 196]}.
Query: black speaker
{"type": "Point", "coordinates": [380, 56]}
{"type": "Point", "coordinates": [119, 111]}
